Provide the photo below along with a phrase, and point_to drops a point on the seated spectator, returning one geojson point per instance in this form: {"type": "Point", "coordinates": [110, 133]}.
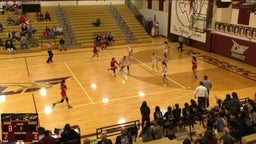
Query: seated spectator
{"type": "Point", "coordinates": [10, 21]}
{"type": "Point", "coordinates": [24, 28]}
{"type": "Point", "coordinates": [124, 137]}
{"type": "Point", "coordinates": [110, 38]}
{"type": "Point", "coordinates": [97, 22]}
{"type": "Point", "coordinates": [1, 9]}
{"type": "Point", "coordinates": [23, 43]}
{"type": "Point", "coordinates": [39, 16]}
{"type": "Point", "coordinates": [15, 8]}
{"type": "Point", "coordinates": [51, 34]}
{"type": "Point", "coordinates": [9, 47]}
{"type": "Point", "coordinates": [1, 27]}
{"type": "Point", "coordinates": [59, 30]}
{"type": "Point", "coordinates": [47, 16]}
{"type": "Point", "coordinates": [147, 133]}
{"type": "Point", "coordinates": [47, 139]}
{"type": "Point", "coordinates": [226, 137]}
{"type": "Point", "coordinates": [104, 139]}
{"type": "Point", "coordinates": [45, 34]}
{"type": "Point", "coordinates": [69, 136]}
{"type": "Point", "coordinates": [158, 115]}
{"type": "Point", "coordinates": [33, 42]}
{"type": "Point", "coordinates": [157, 129]}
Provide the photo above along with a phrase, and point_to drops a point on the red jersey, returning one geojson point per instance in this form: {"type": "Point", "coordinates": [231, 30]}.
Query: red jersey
{"type": "Point", "coordinates": [194, 64]}
{"type": "Point", "coordinates": [113, 64]}
{"type": "Point", "coordinates": [95, 49]}
{"type": "Point", "coordinates": [63, 90]}
{"type": "Point", "coordinates": [102, 41]}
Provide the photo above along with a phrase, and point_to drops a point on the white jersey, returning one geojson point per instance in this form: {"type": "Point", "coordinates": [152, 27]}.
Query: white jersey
{"type": "Point", "coordinates": [153, 58]}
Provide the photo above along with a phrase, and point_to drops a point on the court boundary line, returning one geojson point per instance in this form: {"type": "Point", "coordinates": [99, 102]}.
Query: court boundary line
{"type": "Point", "coordinates": [180, 85]}
{"type": "Point", "coordinates": [76, 79]}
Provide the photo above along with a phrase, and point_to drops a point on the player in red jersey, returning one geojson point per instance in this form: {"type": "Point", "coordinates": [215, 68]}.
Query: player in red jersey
{"type": "Point", "coordinates": [113, 65]}
{"type": "Point", "coordinates": [95, 51]}
{"type": "Point", "coordinates": [63, 93]}
{"type": "Point", "coordinates": [194, 66]}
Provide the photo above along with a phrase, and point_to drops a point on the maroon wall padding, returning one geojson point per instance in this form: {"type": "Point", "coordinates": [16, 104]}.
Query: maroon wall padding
{"type": "Point", "coordinates": [161, 5]}
{"type": "Point", "coordinates": [223, 44]}
{"type": "Point", "coordinates": [243, 16]}
{"type": "Point", "coordinates": [149, 4]}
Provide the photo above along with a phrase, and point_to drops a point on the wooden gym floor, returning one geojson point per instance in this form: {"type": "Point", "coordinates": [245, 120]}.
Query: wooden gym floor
{"type": "Point", "coordinates": [125, 93]}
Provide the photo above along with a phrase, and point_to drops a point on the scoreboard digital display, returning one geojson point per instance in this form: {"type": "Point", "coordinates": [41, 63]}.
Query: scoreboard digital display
{"type": "Point", "coordinates": [19, 127]}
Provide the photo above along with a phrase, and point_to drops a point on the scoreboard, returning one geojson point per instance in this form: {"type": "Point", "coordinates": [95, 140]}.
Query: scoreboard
{"type": "Point", "coordinates": [19, 127]}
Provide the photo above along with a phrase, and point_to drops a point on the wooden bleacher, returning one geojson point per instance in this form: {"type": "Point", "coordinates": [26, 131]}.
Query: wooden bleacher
{"type": "Point", "coordinates": [81, 19]}
{"type": "Point", "coordinates": [39, 26]}
{"type": "Point", "coordinates": [134, 25]}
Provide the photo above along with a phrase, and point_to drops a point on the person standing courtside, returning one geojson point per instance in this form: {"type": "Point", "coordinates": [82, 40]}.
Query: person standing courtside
{"type": "Point", "coordinates": [181, 41]}
{"type": "Point", "coordinates": [208, 86]}
{"type": "Point", "coordinates": [201, 94]}
{"type": "Point", "coordinates": [62, 44]}
{"type": "Point", "coordinates": [50, 54]}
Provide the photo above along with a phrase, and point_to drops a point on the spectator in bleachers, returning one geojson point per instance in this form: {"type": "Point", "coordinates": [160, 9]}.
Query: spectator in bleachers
{"type": "Point", "coordinates": [9, 47]}
{"type": "Point", "coordinates": [22, 19]}
{"type": "Point", "coordinates": [177, 113]}
{"type": "Point", "coordinates": [9, 20]}
{"type": "Point", "coordinates": [97, 22]}
{"type": "Point", "coordinates": [47, 16]}
{"type": "Point", "coordinates": [15, 8]}
{"type": "Point", "coordinates": [104, 139]}
{"type": "Point", "coordinates": [227, 101]}
{"type": "Point", "coordinates": [9, 35]}
{"type": "Point", "coordinates": [168, 116]}
{"type": "Point", "coordinates": [45, 34]}
{"type": "Point", "coordinates": [158, 115]}
{"type": "Point", "coordinates": [110, 38]}
{"type": "Point", "coordinates": [69, 135]}
{"type": "Point", "coordinates": [59, 30]}
{"type": "Point", "coordinates": [39, 16]}
{"type": "Point", "coordinates": [147, 133]}
{"type": "Point", "coordinates": [62, 44]}
{"type": "Point", "coordinates": [235, 99]}
{"type": "Point", "coordinates": [47, 139]}
{"type": "Point", "coordinates": [33, 42]}
{"type": "Point", "coordinates": [1, 27]}
{"type": "Point", "coordinates": [23, 43]}
{"type": "Point", "coordinates": [24, 28]}
{"type": "Point", "coordinates": [1, 9]}
{"type": "Point", "coordinates": [124, 138]}
{"type": "Point", "coordinates": [208, 138]}
{"type": "Point", "coordinates": [226, 137]}
{"type": "Point", "coordinates": [157, 129]}
{"type": "Point", "coordinates": [98, 40]}
{"type": "Point", "coordinates": [51, 34]}
{"type": "Point", "coordinates": [145, 112]}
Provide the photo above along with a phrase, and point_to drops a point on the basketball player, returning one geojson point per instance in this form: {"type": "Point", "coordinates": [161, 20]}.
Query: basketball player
{"type": "Point", "coordinates": [113, 66]}
{"type": "Point", "coordinates": [130, 50]}
{"type": "Point", "coordinates": [154, 61]}
{"type": "Point", "coordinates": [63, 93]}
{"type": "Point", "coordinates": [164, 73]}
{"type": "Point", "coordinates": [194, 66]}
{"type": "Point", "coordinates": [165, 51]}
{"type": "Point", "coordinates": [95, 51]}
{"type": "Point", "coordinates": [124, 62]}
